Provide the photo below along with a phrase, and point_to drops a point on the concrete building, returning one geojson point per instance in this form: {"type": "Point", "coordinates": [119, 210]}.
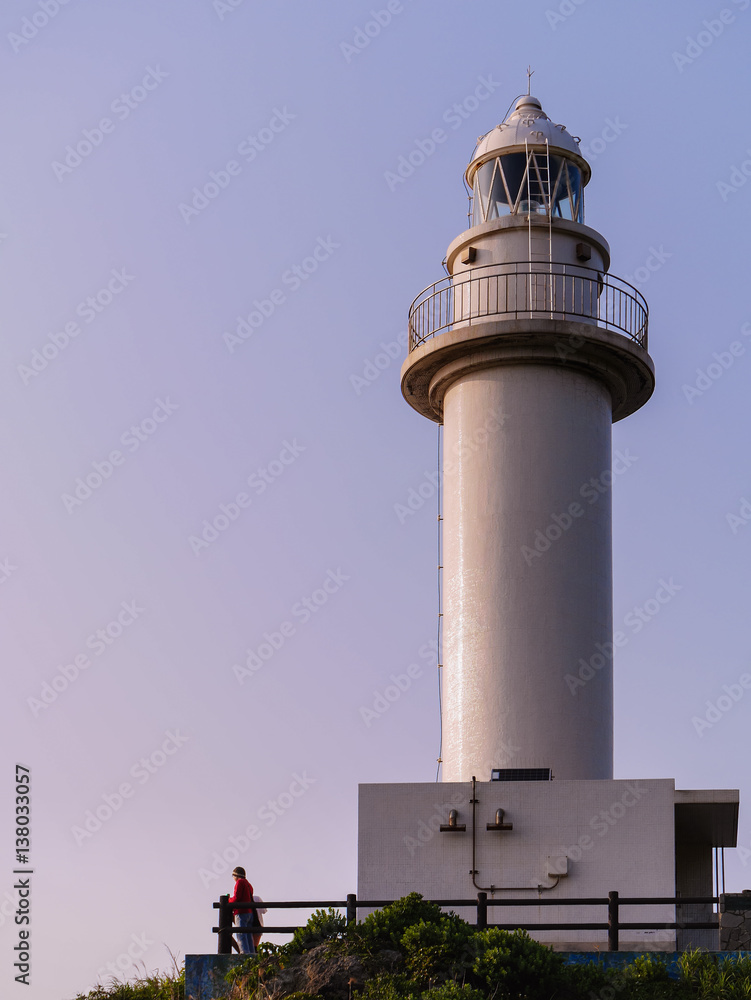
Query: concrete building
{"type": "Point", "coordinates": [526, 353]}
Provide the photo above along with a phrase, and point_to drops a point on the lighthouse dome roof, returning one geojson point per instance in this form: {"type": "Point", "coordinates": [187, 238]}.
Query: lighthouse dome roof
{"type": "Point", "coordinates": [528, 124]}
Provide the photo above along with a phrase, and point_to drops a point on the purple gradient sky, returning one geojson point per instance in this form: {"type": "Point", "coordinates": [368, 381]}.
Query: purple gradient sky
{"type": "Point", "coordinates": [682, 130]}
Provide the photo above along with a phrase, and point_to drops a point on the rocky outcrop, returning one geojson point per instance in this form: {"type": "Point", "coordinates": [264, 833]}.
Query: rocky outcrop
{"type": "Point", "coordinates": [325, 973]}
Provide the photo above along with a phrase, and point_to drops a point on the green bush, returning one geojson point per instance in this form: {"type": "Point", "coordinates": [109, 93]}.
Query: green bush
{"type": "Point", "coordinates": [710, 978]}
{"type": "Point", "coordinates": [324, 925]}
{"type": "Point", "coordinates": [443, 958]}
{"type": "Point", "coordinates": [387, 986]}
{"type": "Point", "coordinates": [385, 928]}
{"type": "Point", "coordinates": [511, 964]}
{"type": "Point", "coordinates": [247, 976]}
{"type": "Point", "coordinates": [452, 991]}
{"type": "Point", "coordinates": [694, 965]}
{"type": "Point", "coordinates": [437, 950]}
{"type": "Point", "coordinates": [154, 987]}
{"type": "Point", "coordinates": [588, 979]}
{"type": "Point", "coordinates": [647, 969]}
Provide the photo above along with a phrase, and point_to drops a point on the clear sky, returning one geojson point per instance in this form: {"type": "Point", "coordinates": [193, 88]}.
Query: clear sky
{"type": "Point", "coordinates": [204, 249]}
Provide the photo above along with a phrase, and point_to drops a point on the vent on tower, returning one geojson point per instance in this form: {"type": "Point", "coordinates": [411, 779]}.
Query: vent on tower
{"type": "Point", "coordinates": [520, 774]}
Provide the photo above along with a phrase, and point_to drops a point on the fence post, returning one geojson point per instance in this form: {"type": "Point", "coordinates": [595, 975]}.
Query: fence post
{"type": "Point", "coordinates": [612, 921]}
{"type": "Point", "coordinates": [225, 922]}
{"type": "Point", "coordinates": [351, 908]}
{"type": "Point", "coordinates": [482, 910]}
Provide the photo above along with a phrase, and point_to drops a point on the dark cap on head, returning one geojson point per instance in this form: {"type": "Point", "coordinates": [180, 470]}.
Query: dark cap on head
{"type": "Point", "coordinates": [239, 871]}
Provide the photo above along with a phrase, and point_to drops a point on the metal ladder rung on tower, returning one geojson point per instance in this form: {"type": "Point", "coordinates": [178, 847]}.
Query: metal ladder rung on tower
{"type": "Point", "coordinates": [539, 239]}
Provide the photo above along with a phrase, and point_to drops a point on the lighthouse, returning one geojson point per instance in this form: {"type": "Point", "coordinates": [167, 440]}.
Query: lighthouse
{"type": "Point", "coordinates": [525, 353]}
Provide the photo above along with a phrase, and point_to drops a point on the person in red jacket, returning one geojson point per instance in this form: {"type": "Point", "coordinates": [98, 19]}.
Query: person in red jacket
{"type": "Point", "coordinates": [243, 918]}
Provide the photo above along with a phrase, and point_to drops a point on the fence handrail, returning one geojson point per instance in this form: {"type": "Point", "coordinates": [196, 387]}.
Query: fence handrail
{"type": "Point", "coordinates": [526, 288]}
{"type": "Point", "coordinates": [308, 904]}
{"type": "Point", "coordinates": [613, 901]}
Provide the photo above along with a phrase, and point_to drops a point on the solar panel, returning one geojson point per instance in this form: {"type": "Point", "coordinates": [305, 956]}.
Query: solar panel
{"type": "Point", "coordinates": [520, 774]}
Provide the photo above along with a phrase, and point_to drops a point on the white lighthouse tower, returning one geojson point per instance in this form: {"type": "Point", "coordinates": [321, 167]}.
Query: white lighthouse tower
{"type": "Point", "coordinates": [526, 353]}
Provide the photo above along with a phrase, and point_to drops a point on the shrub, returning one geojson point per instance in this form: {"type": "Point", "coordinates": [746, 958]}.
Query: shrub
{"type": "Point", "coordinates": [647, 969]}
{"type": "Point", "coordinates": [452, 991]}
{"type": "Point", "coordinates": [246, 977]}
{"type": "Point", "coordinates": [511, 964]}
{"type": "Point", "coordinates": [437, 950]}
{"type": "Point", "coordinates": [585, 979]}
{"type": "Point", "coordinates": [323, 926]}
{"type": "Point", "coordinates": [153, 987]}
{"type": "Point", "coordinates": [387, 986]}
{"type": "Point", "coordinates": [385, 928]}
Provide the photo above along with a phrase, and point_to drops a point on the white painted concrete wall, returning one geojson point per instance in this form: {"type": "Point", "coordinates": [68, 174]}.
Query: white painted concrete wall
{"type": "Point", "coordinates": [617, 835]}
{"type": "Point", "coordinates": [523, 446]}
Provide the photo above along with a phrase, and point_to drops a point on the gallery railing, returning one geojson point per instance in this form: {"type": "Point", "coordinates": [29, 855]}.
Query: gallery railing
{"type": "Point", "coordinates": [529, 290]}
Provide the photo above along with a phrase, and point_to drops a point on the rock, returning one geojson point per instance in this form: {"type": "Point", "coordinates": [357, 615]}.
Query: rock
{"type": "Point", "coordinates": [320, 972]}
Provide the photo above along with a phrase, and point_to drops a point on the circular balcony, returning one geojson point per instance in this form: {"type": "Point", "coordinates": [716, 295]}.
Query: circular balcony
{"type": "Point", "coordinates": [529, 290]}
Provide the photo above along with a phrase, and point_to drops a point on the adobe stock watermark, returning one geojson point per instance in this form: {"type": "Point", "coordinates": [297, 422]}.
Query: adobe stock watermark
{"type": "Point", "coordinates": [302, 611]}
{"type": "Point", "coordinates": [739, 176]}
{"type": "Point", "coordinates": [258, 481]}
{"type": "Point", "coordinates": [32, 25]}
{"type": "Point", "coordinates": [224, 7]}
{"type": "Point", "coordinates": [8, 906]}
{"type": "Point", "coordinates": [741, 519]}
{"type": "Point", "coordinates": [608, 134]}
{"type": "Point", "coordinates": [87, 310]}
{"type": "Point", "coordinates": [601, 824]}
{"type": "Point", "coordinates": [696, 45]}
{"type": "Point", "coordinates": [565, 9]}
{"type": "Point", "coordinates": [267, 816]}
{"type": "Point", "coordinates": [141, 772]}
{"type": "Point", "coordinates": [427, 488]}
{"type": "Point", "coordinates": [372, 28]}
{"type": "Point", "coordinates": [455, 116]}
{"type": "Point", "coordinates": [505, 753]}
{"type": "Point", "coordinates": [400, 683]}
{"type": "Point", "coordinates": [655, 260]}
{"type": "Point", "coordinates": [724, 360]}
{"type": "Point", "coordinates": [427, 829]}
{"type": "Point", "coordinates": [7, 569]}
{"type": "Point", "coordinates": [131, 440]}
{"type": "Point", "coordinates": [98, 643]}
{"type": "Point", "coordinates": [374, 367]}
{"type": "Point", "coordinates": [591, 491]}
{"type": "Point", "coordinates": [219, 180]}
{"type": "Point", "coordinates": [92, 138]}
{"type": "Point", "coordinates": [717, 710]}
{"type": "Point", "coordinates": [126, 960]}
{"type": "Point", "coordinates": [635, 620]}
{"type": "Point", "coordinates": [292, 280]}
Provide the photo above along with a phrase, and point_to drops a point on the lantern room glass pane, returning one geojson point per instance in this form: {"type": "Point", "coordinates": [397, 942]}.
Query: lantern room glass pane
{"type": "Point", "coordinates": [569, 203]}
{"type": "Point", "coordinates": [527, 190]}
{"type": "Point", "coordinates": [514, 165]}
{"type": "Point", "coordinates": [535, 186]}
{"type": "Point", "coordinates": [492, 202]}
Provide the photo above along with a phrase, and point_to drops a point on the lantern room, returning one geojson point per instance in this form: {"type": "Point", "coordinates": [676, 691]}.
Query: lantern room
{"type": "Point", "coordinates": [527, 165]}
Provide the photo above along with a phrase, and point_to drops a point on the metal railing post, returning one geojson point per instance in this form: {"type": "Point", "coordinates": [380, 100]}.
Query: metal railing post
{"type": "Point", "coordinates": [481, 903]}
{"type": "Point", "coordinates": [225, 922]}
{"type": "Point", "coordinates": [482, 910]}
{"type": "Point", "coordinates": [613, 921]}
{"type": "Point", "coordinates": [583, 291]}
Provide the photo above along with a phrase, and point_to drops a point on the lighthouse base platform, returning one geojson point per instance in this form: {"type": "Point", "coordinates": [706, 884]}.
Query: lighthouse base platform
{"type": "Point", "coordinates": [552, 840]}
